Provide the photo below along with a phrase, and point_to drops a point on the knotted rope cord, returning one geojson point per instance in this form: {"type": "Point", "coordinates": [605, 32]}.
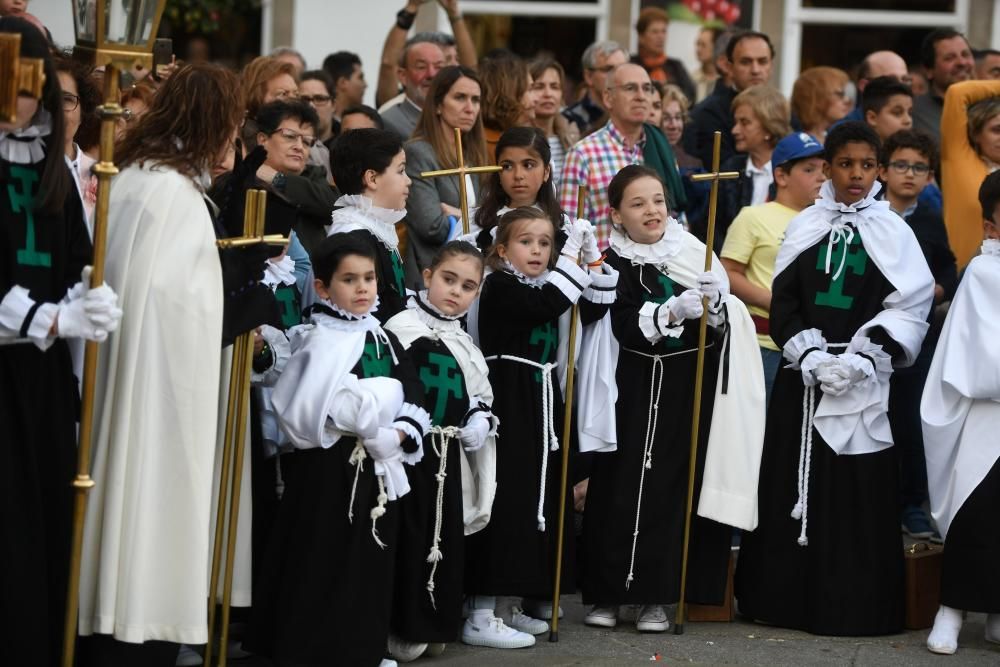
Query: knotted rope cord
{"type": "Point", "coordinates": [441, 437]}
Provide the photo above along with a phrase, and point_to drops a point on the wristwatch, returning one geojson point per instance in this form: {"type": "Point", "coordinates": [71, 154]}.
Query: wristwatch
{"type": "Point", "coordinates": [404, 19]}
{"type": "Point", "coordinates": [278, 181]}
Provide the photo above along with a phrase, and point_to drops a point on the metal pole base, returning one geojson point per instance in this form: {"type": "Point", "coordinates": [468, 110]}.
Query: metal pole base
{"type": "Point", "coordinates": [678, 628]}
{"type": "Point", "coordinates": [553, 636]}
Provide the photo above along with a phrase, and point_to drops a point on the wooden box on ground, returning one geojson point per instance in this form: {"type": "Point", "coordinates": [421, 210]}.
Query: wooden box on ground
{"type": "Point", "coordinates": [722, 613]}
{"type": "Point", "coordinates": [923, 584]}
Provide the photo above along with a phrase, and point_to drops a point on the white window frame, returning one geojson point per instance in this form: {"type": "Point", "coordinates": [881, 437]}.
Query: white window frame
{"type": "Point", "coordinates": [599, 11]}
{"type": "Point", "coordinates": [797, 16]}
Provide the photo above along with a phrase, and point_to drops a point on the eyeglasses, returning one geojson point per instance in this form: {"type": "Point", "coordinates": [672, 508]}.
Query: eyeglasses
{"type": "Point", "coordinates": [70, 101]}
{"type": "Point", "coordinates": [633, 88]}
{"type": "Point", "coordinates": [291, 137]}
{"type": "Point", "coordinates": [902, 166]}
{"type": "Point", "coordinates": [316, 100]}
{"type": "Point", "coordinates": [282, 94]}
{"type": "Point", "coordinates": [679, 118]}
{"type": "Point", "coordinates": [606, 69]}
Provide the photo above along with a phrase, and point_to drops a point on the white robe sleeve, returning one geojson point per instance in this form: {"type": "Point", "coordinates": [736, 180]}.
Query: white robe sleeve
{"type": "Point", "coordinates": [22, 318]}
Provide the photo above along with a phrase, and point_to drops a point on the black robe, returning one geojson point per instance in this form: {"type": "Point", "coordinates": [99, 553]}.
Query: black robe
{"type": "Point", "coordinates": [39, 407]}
{"type": "Point", "coordinates": [848, 580]}
{"type": "Point", "coordinates": [511, 556]}
{"type": "Point", "coordinates": [416, 617]}
{"type": "Point", "coordinates": [610, 515]}
{"type": "Point", "coordinates": [329, 594]}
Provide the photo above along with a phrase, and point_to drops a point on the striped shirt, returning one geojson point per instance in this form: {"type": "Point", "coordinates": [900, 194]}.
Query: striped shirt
{"type": "Point", "coordinates": [593, 162]}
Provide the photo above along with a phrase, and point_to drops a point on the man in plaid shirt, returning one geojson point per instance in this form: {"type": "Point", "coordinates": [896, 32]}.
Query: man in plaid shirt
{"type": "Point", "coordinates": [594, 160]}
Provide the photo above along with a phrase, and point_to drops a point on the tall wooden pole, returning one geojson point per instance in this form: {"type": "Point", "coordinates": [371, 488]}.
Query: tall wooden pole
{"type": "Point", "coordinates": [109, 112]}
{"type": "Point", "coordinates": [461, 170]}
{"type": "Point", "coordinates": [699, 374]}
{"type": "Point", "coordinates": [581, 196]}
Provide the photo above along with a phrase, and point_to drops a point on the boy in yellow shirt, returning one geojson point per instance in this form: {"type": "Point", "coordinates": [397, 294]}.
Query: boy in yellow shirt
{"type": "Point", "coordinates": [753, 239]}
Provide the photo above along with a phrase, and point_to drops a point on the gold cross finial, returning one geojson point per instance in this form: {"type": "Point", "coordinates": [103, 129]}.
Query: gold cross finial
{"type": "Point", "coordinates": [461, 170]}
{"type": "Point", "coordinates": [715, 176]}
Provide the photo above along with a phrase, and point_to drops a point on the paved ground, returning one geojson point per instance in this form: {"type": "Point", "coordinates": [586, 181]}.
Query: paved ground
{"type": "Point", "coordinates": [738, 643]}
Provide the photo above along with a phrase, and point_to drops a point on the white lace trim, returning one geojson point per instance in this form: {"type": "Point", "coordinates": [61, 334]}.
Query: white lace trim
{"type": "Point", "coordinates": [279, 273]}
{"type": "Point", "coordinates": [26, 145]}
{"type": "Point", "coordinates": [350, 321]}
{"type": "Point", "coordinates": [991, 247]}
{"type": "Point", "coordinates": [521, 278]}
{"type": "Point", "coordinates": [656, 254]}
{"type": "Point", "coordinates": [360, 210]}
{"type": "Point", "coordinates": [434, 320]}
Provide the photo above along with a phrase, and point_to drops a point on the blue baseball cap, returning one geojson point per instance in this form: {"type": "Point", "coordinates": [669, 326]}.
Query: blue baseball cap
{"type": "Point", "coordinates": [795, 146]}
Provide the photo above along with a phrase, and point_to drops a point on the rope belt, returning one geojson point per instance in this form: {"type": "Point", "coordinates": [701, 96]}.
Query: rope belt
{"type": "Point", "coordinates": [441, 437]}
{"type": "Point", "coordinates": [357, 458]}
{"type": "Point", "coordinates": [801, 510]}
{"type": "Point", "coordinates": [652, 416]}
{"type": "Point", "coordinates": [548, 422]}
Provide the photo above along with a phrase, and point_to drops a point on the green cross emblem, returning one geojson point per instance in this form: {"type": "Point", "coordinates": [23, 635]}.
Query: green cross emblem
{"type": "Point", "coordinates": [374, 365]}
{"type": "Point", "coordinates": [24, 200]}
{"type": "Point", "coordinates": [398, 273]}
{"type": "Point", "coordinates": [289, 304]}
{"type": "Point", "coordinates": [547, 336]}
{"type": "Point", "coordinates": [856, 262]}
{"type": "Point", "coordinates": [447, 381]}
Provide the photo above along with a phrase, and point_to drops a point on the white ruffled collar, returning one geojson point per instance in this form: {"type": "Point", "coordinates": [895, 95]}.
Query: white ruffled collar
{"type": "Point", "coordinates": [866, 206]}
{"type": "Point", "coordinates": [526, 280]}
{"type": "Point", "coordinates": [279, 273]}
{"type": "Point", "coordinates": [655, 254]}
{"type": "Point", "coordinates": [991, 247]}
{"type": "Point", "coordinates": [431, 316]}
{"type": "Point", "coordinates": [26, 145]}
{"type": "Point", "coordinates": [360, 210]}
{"type": "Point", "coordinates": [329, 314]}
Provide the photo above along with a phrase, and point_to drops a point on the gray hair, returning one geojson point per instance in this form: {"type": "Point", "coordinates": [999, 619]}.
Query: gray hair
{"type": "Point", "coordinates": [442, 39]}
{"type": "Point", "coordinates": [721, 43]}
{"type": "Point", "coordinates": [288, 51]}
{"type": "Point", "coordinates": [605, 48]}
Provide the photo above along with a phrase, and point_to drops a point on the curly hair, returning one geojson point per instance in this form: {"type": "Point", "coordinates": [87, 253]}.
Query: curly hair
{"type": "Point", "coordinates": [186, 129]}
{"type": "Point", "coordinates": [504, 78]}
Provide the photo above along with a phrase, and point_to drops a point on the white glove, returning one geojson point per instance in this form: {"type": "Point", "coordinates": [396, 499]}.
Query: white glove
{"type": "Point", "coordinates": [91, 316]}
{"type": "Point", "coordinates": [710, 287]}
{"type": "Point", "coordinates": [101, 306]}
{"type": "Point", "coordinates": [574, 243]}
{"type": "Point", "coordinates": [473, 435]}
{"type": "Point", "coordinates": [832, 377]}
{"type": "Point", "coordinates": [72, 322]}
{"type": "Point", "coordinates": [385, 449]}
{"type": "Point", "coordinates": [847, 371]}
{"type": "Point", "coordinates": [815, 364]}
{"type": "Point", "coordinates": [591, 253]}
{"type": "Point", "coordinates": [686, 305]}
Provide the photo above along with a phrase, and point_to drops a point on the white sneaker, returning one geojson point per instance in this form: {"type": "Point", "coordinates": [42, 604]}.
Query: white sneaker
{"type": "Point", "coordinates": [521, 621]}
{"type": "Point", "coordinates": [652, 618]}
{"type": "Point", "coordinates": [540, 609]}
{"type": "Point", "coordinates": [943, 638]}
{"type": "Point", "coordinates": [602, 617]}
{"type": "Point", "coordinates": [485, 629]}
{"type": "Point", "coordinates": [405, 651]}
{"type": "Point", "coordinates": [188, 657]}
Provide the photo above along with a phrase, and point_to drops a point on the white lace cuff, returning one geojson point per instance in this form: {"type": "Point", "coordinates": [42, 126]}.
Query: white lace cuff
{"type": "Point", "coordinates": [868, 357]}
{"type": "Point", "coordinates": [569, 278]}
{"type": "Point", "coordinates": [652, 315]}
{"type": "Point", "coordinates": [800, 343]}
{"type": "Point", "coordinates": [280, 352]}
{"type": "Point", "coordinates": [22, 318]}
{"type": "Point", "coordinates": [603, 286]}
{"type": "Point", "coordinates": [414, 421]}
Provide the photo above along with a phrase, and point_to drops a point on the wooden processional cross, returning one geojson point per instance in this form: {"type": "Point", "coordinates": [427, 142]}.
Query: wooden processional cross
{"type": "Point", "coordinates": [461, 170]}
{"type": "Point", "coordinates": [714, 176]}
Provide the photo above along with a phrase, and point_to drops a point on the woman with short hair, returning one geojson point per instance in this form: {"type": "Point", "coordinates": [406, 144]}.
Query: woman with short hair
{"type": "Point", "coordinates": [820, 98]}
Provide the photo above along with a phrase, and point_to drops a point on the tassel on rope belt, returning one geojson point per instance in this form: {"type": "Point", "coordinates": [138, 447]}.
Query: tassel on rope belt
{"type": "Point", "coordinates": [441, 437]}
{"type": "Point", "coordinates": [801, 510]}
{"type": "Point", "coordinates": [655, 389]}
{"type": "Point", "coordinates": [549, 440]}
{"type": "Point", "coordinates": [357, 459]}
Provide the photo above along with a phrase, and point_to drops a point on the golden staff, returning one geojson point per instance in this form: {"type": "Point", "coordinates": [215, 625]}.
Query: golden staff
{"type": "Point", "coordinates": [461, 170]}
{"type": "Point", "coordinates": [233, 439]}
{"type": "Point", "coordinates": [109, 112]}
{"type": "Point", "coordinates": [699, 376]}
{"type": "Point", "coordinates": [581, 196]}
{"type": "Point", "coordinates": [17, 74]}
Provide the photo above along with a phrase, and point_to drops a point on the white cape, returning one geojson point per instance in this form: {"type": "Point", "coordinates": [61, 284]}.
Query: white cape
{"type": "Point", "coordinates": [960, 408]}
{"type": "Point", "coordinates": [736, 435]}
{"type": "Point", "coordinates": [146, 540]}
{"type": "Point", "coordinates": [857, 421]}
{"type": "Point", "coordinates": [479, 468]}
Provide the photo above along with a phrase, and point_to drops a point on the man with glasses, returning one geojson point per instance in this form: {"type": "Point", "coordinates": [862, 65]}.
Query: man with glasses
{"type": "Point", "coordinates": [595, 159]}
{"type": "Point", "coordinates": [316, 90]}
{"type": "Point", "coordinates": [589, 114]}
